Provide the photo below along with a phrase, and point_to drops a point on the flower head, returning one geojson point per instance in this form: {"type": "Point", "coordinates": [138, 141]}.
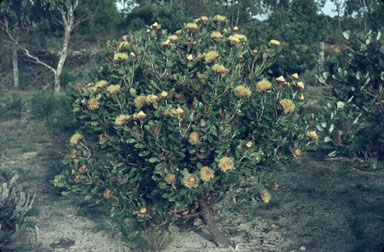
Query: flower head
{"type": "Point", "coordinates": [191, 26]}
{"type": "Point", "coordinates": [295, 76]}
{"type": "Point", "coordinates": [243, 91]}
{"type": "Point", "coordinates": [288, 105]}
{"type": "Point", "coordinates": [154, 25]}
{"type": "Point", "coordinates": [280, 80]}
{"type": "Point", "coordinates": [123, 44]}
{"type": "Point", "coordinates": [226, 164]}
{"type": "Point", "coordinates": [177, 112]}
{"type": "Point", "coordinates": [265, 195]}
{"type": "Point", "coordinates": [113, 89]}
{"type": "Point", "coordinates": [211, 56]}
{"type": "Point", "coordinates": [297, 152]}
{"type": "Point", "coordinates": [204, 19]}
{"type": "Point", "coordinates": [206, 173]}
{"type": "Point", "coordinates": [219, 18]}
{"type": "Point", "coordinates": [83, 168]}
{"type": "Point", "coordinates": [143, 211]}
{"type": "Point", "coordinates": [141, 115]}
{"type": "Point", "coordinates": [164, 94]}
{"type": "Point", "coordinates": [263, 85]}
{"type": "Point", "coordinates": [190, 57]}
{"type": "Point", "coordinates": [73, 153]}
{"type": "Point", "coordinates": [120, 56]}
{"type": "Point", "coordinates": [274, 43]}
{"type": "Point", "coordinates": [140, 101]}
{"type": "Point", "coordinates": [172, 38]}
{"type": "Point", "coordinates": [170, 178]}
{"type": "Point", "coordinates": [216, 35]}
{"type": "Point", "coordinates": [191, 181]}
{"type": "Point", "coordinates": [107, 193]}
{"type": "Point", "coordinates": [101, 84]}
{"type": "Point", "coordinates": [122, 119]}
{"type": "Point", "coordinates": [233, 39]}
{"type": "Point", "coordinates": [193, 138]}
{"type": "Point", "coordinates": [220, 69]}
{"type": "Point", "coordinates": [312, 135]}
{"type": "Point", "coordinates": [152, 98]}
{"type": "Point", "coordinates": [93, 104]}
{"type": "Point", "coordinates": [75, 139]}
{"type": "Point", "coordinates": [300, 85]}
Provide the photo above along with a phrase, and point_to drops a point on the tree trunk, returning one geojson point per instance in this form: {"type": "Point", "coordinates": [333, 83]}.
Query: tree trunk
{"type": "Point", "coordinates": [217, 236]}
{"type": "Point", "coordinates": [15, 66]}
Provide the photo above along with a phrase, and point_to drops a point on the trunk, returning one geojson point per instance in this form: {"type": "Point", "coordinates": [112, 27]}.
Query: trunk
{"type": "Point", "coordinates": [217, 236]}
{"type": "Point", "coordinates": [15, 66]}
{"type": "Point", "coordinates": [63, 56]}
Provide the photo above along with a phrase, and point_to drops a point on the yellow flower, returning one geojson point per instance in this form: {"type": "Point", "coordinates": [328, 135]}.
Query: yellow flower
{"type": "Point", "coordinates": [235, 29]}
{"type": "Point", "coordinates": [312, 135]}
{"type": "Point", "coordinates": [280, 79]}
{"type": "Point", "coordinates": [263, 85]}
{"type": "Point", "coordinates": [204, 19]}
{"type": "Point", "coordinates": [107, 193]}
{"type": "Point", "coordinates": [297, 152]}
{"type": "Point", "coordinates": [220, 69]}
{"type": "Point", "coordinates": [170, 178]}
{"type": "Point", "coordinates": [142, 212]}
{"type": "Point", "coordinates": [178, 32]}
{"type": "Point", "coordinates": [193, 138]}
{"type": "Point", "coordinates": [243, 91]}
{"type": "Point", "coordinates": [248, 144]}
{"type": "Point", "coordinates": [288, 105]}
{"type": "Point", "coordinates": [220, 18]}
{"type": "Point", "coordinates": [237, 38]}
{"type": "Point", "coordinates": [206, 173]}
{"type": "Point", "coordinates": [166, 43]}
{"type": "Point", "coordinates": [233, 39]}
{"type": "Point", "coordinates": [120, 56]}
{"type": "Point", "coordinates": [226, 164]}
{"type": "Point", "coordinates": [216, 35]}
{"type": "Point", "coordinates": [152, 98]}
{"type": "Point", "coordinates": [295, 76]}
{"type": "Point", "coordinates": [274, 43]}
{"type": "Point", "coordinates": [211, 56]}
{"type": "Point", "coordinates": [123, 44]}
{"type": "Point", "coordinates": [300, 85]}
{"type": "Point", "coordinates": [140, 101]}
{"type": "Point", "coordinates": [75, 139]}
{"type": "Point", "coordinates": [101, 84]}
{"type": "Point", "coordinates": [191, 181]}
{"type": "Point", "coordinates": [141, 115]}
{"type": "Point", "coordinates": [301, 97]}
{"type": "Point", "coordinates": [154, 25]}
{"type": "Point", "coordinates": [113, 89]}
{"type": "Point", "coordinates": [93, 104]}
{"type": "Point", "coordinates": [265, 195]}
{"type": "Point", "coordinates": [83, 169]}
{"type": "Point", "coordinates": [73, 154]}
{"type": "Point", "coordinates": [191, 26]}
{"type": "Point", "coordinates": [190, 57]}
{"type": "Point", "coordinates": [177, 112]}
{"type": "Point", "coordinates": [166, 112]}
{"type": "Point", "coordinates": [122, 119]}
{"type": "Point", "coordinates": [164, 94]}
{"type": "Point", "coordinates": [132, 55]}
{"type": "Point", "coordinates": [172, 38]}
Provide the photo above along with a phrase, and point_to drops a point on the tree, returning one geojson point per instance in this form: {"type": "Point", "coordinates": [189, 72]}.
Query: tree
{"type": "Point", "coordinates": [10, 22]}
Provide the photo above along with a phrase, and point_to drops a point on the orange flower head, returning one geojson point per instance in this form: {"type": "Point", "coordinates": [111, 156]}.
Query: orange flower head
{"type": "Point", "coordinates": [226, 164]}
{"type": "Point", "coordinates": [191, 181]}
{"type": "Point", "coordinates": [206, 173]}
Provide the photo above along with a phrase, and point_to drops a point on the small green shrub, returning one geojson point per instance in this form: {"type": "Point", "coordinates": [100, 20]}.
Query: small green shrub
{"type": "Point", "coordinates": [357, 86]}
{"type": "Point", "coordinates": [180, 120]}
{"type": "Point", "coordinates": [11, 106]}
{"type": "Point", "coordinates": [56, 109]}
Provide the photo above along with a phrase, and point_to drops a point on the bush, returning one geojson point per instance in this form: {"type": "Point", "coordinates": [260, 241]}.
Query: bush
{"type": "Point", "coordinates": [179, 121]}
{"type": "Point", "coordinates": [56, 109]}
{"type": "Point", "coordinates": [14, 204]}
{"type": "Point", "coordinates": [357, 84]}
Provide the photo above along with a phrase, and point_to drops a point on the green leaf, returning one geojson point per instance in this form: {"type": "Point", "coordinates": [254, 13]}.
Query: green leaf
{"type": "Point", "coordinates": [88, 197]}
{"type": "Point", "coordinates": [153, 159]}
{"type": "Point", "coordinates": [65, 193]}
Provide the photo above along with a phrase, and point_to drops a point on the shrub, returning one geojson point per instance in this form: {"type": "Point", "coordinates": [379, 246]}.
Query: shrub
{"type": "Point", "coordinates": [14, 204]}
{"type": "Point", "coordinates": [180, 120]}
{"type": "Point", "coordinates": [357, 84]}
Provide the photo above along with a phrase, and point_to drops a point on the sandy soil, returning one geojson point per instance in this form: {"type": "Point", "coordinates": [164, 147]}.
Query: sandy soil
{"type": "Point", "coordinates": [321, 205]}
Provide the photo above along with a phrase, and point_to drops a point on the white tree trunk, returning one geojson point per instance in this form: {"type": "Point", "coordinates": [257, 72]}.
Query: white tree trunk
{"type": "Point", "coordinates": [15, 66]}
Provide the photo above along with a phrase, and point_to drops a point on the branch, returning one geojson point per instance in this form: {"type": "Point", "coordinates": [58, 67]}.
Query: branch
{"type": "Point", "coordinates": [26, 51]}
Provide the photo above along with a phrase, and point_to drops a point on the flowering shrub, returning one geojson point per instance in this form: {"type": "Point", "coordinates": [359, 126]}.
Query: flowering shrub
{"type": "Point", "coordinates": [356, 111]}
{"type": "Point", "coordinates": [181, 118]}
